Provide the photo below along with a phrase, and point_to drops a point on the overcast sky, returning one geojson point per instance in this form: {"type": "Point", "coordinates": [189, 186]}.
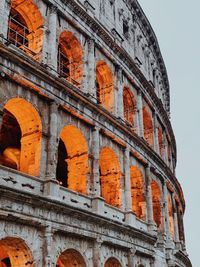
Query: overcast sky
{"type": "Point", "coordinates": [177, 26]}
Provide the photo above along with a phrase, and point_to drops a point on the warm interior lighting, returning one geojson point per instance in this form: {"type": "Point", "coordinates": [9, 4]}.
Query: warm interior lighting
{"type": "Point", "coordinates": [14, 252]}
{"type": "Point", "coordinates": [112, 262]}
{"type": "Point", "coordinates": [70, 258]}
{"type": "Point", "coordinates": [156, 201]}
{"type": "Point", "coordinates": [137, 193]}
{"type": "Point", "coordinates": [70, 58]}
{"type": "Point", "coordinates": [129, 105]}
{"type": "Point", "coordinates": [25, 28]}
{"type": "Point", "coordinates": [20, 137]}
{"type": "Point", "coordinates": [105, 85]}
{"type": "Point", "coordinates": [110, 176]}
{"type": "Point", "coordinates": [148, 126]}
{"type": "Point", "coordinates": [170, 213]}
{"type": "Point", "coordinates": [72, 167]}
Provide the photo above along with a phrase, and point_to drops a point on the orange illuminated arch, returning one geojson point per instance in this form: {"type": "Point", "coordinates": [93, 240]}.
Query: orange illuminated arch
{"type": "Point", "coordinates": [156, 201]}
{"type": "Point", "coordinates": [32, 20]}
{"type": "Point", "coordinates": [72, 167]}
{"type": "Point", "coordinates": [70, 58]}
{"type": "Point", "coordinates": [129, 105]}
{"type": "Point", "coordinates": [170, 214]}
{"type": "Point", "coordinates": [110, 177]}
{"type": "Point", "coordinates": [14, 252]}
{"type": "Point", "coordinates": [112, 262]}
{"type": "Point", "coordinates": [148, 126]}
{"type": "Point", "coordinates": [21, 136]}
{"type": "Point", "coordinates": [137, 193]}
{"type": "Point", "coordinates": [71, 258]}
{"type": "Point", "coordinates": [160, 141]}
{"type": "Point", "coordinates": [105, 85]}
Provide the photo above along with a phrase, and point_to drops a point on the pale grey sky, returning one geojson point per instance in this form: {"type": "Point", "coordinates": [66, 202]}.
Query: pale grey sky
{"type": "Point", "coordinates": [177, 26]}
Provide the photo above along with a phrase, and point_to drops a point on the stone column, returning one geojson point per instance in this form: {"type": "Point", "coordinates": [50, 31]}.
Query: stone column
{"type": "Point", "coordinates": [51, 185]}
{"type": "Point", "coordinates": [90, 70]}
{"type": "Point", "coordinates": [165, 154]}
{"type": "Point", "coordinates": [166, 211]}
{"type": "Point", "coordinates": [50, 47]}
{"type": "Point", "coordinates": [150, 217]}
{"type": "Point", "coordinates": [4, 16]}
{"type": "Point", "coordinates": [155, 133]}
{"type": "Point", "coordinates": [47, 249]}
{"type": "Point", "coordinates": [175, 217]}
{"type": "Point", "coordinates": [140, 124]}
{"type": "Point", "coordinates": [119, 103]}
{"type": "Point", "coordinates": [131, 255]}
{"type": "Point", "coordinates": [97, 253]}
{"type": "Point", "coordinates": [127, 177]}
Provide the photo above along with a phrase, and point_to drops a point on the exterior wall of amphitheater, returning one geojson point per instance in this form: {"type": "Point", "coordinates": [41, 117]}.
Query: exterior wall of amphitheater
{"type": "Point", "coordinates": [87, 151]}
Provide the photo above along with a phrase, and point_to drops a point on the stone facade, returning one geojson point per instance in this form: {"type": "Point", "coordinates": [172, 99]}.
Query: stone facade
{"type": "Point", "coordinates": [87, 151]}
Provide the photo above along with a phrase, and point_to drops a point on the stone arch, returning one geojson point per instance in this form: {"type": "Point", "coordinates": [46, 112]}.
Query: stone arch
{"type": "Point", "coordinates": [70, 58]}
{"type": "Point", "coordinates": [26, 19]}
{"type": "Point", "coordinates": [110, 176]}
{"type": "Point", "coordinates": [129, 105]}
{"type": "Point", "coordinates": [21, 137]}
{"type": "Point", "coordinates": [112, 262]}
{"type": "Point", "coordinates": [71, 258]}
{"type": "Point", "coordinates": [148, 126]}
{"type": "Point", "coordinates": [170, 214]}
{"type": "Point", "coordinates": [72, 166]}
{"type": "Point", "coordinates": [105, 85]}
{"type": "Point", "coordinates": [14, 252]}
{"type": "Point", "coordinates": [137, 193]}
{"type": "Point", "coordinates": [160, 141]}
{"type": "Point", "coordinates": [156, 201]}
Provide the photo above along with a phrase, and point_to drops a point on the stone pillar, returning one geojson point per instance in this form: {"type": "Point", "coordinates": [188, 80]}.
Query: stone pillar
{"type": "Point", "coordinates": [166, 211]}
{"type": "Point", "coordinates": [90, 70]}
{"type": "Point", "coordinates": [131, 255]}
{"type": "Point", "coordinates": [150, 217]}
{"type": "Point", "coordinates": [127, 177]}
{"type": "Point", "coordinates": [165, 154]}
{"type": "Point", "coordinates": [155, 133]}
{"type": "Point", "coordinates": [175, 217]}
{"type": "Point", "coordinates": [48, 249]}
{"type": "Point", "coordinates": [119, 103]}
{"type": "Point", "coordinates": [4, 16]}
{"type": "Point", "coordinates": [50, 47]}
{"type": "Point", "coordinates": [97, 253]}
{"type": "Point", "coordinates": [140, 124]}
{"type": "Point", "coordinates": [51, 185]}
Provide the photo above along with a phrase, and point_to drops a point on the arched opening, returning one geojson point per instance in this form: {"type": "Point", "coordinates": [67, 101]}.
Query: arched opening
{"type": "Point", "coordinates": [156, 201]}
{"type": "Point", "coordinates": [72, 166]}
{"type": "Point", "coordinates": [160, 141]}
{"type": "Point", "coordinates": [14, 252]}
{"type": "Point", "coordinates": [25, 27]}
{"type": "Point", "coordinates": [137, 193]}
{"type": "Point", "coordinates": [129, 105]}
{"type": "Point", "coordinates": [70, 58]}
{"type": "Point", "coordinates": [20, 137]}
{"type": "Point", "coordinates": [105, 85]}
{"type": "Point", "coordinates": [170, 214]}
{"type": "Point", "coordinates": [112, 262]}
{"type": "Point", "coordinates": [110, 176]}
{"type": "Point", "coordinates": [70, 258]}
{"type": "Point", "coordinates": [148, 126]}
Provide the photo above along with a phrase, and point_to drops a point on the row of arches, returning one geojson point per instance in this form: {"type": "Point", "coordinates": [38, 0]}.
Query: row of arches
{"type": "Point", "coordinates": [25, 31]}
{"type": "Point", "coordinates": [20, 149]}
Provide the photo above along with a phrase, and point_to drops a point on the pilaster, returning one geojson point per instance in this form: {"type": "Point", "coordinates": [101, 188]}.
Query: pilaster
{"type": "Point", "coordinates": [140, 124]}
{"type": "Point", "coordinates": [119, 104]}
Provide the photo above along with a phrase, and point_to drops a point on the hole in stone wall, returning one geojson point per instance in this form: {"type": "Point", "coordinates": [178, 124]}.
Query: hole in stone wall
{"type": "Point", "coordinates": [71, 258]}
{"type": "Point", "coordinates": [25, 27]}
{"type": "Point", "coordinates": [137, 193]}
{"type": "Point", "coordinates": [105, 85]}
{"type": "Point", "coordinates": [14, 252]}
{"type": "Point", "coordinates": [70, 58]}
{"type": "Point", "coordinates": [156, 201]}
{"type": "Point", "coordinates": [110, 176]}
{"type": "Point", "coordinates": [148, 126]}
{"type": "Point", "coordinates": [20, 136]}
{"type": "Point", "coordinates": [112, 262]}
{"type": "Point", "coordinates": [129, 105]}
{"type": "Point", "coordinates": [72, 166]}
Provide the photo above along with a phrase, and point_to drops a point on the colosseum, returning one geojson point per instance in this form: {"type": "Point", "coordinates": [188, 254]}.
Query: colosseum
{"type": "Point", "coordinates": [87, 150]}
